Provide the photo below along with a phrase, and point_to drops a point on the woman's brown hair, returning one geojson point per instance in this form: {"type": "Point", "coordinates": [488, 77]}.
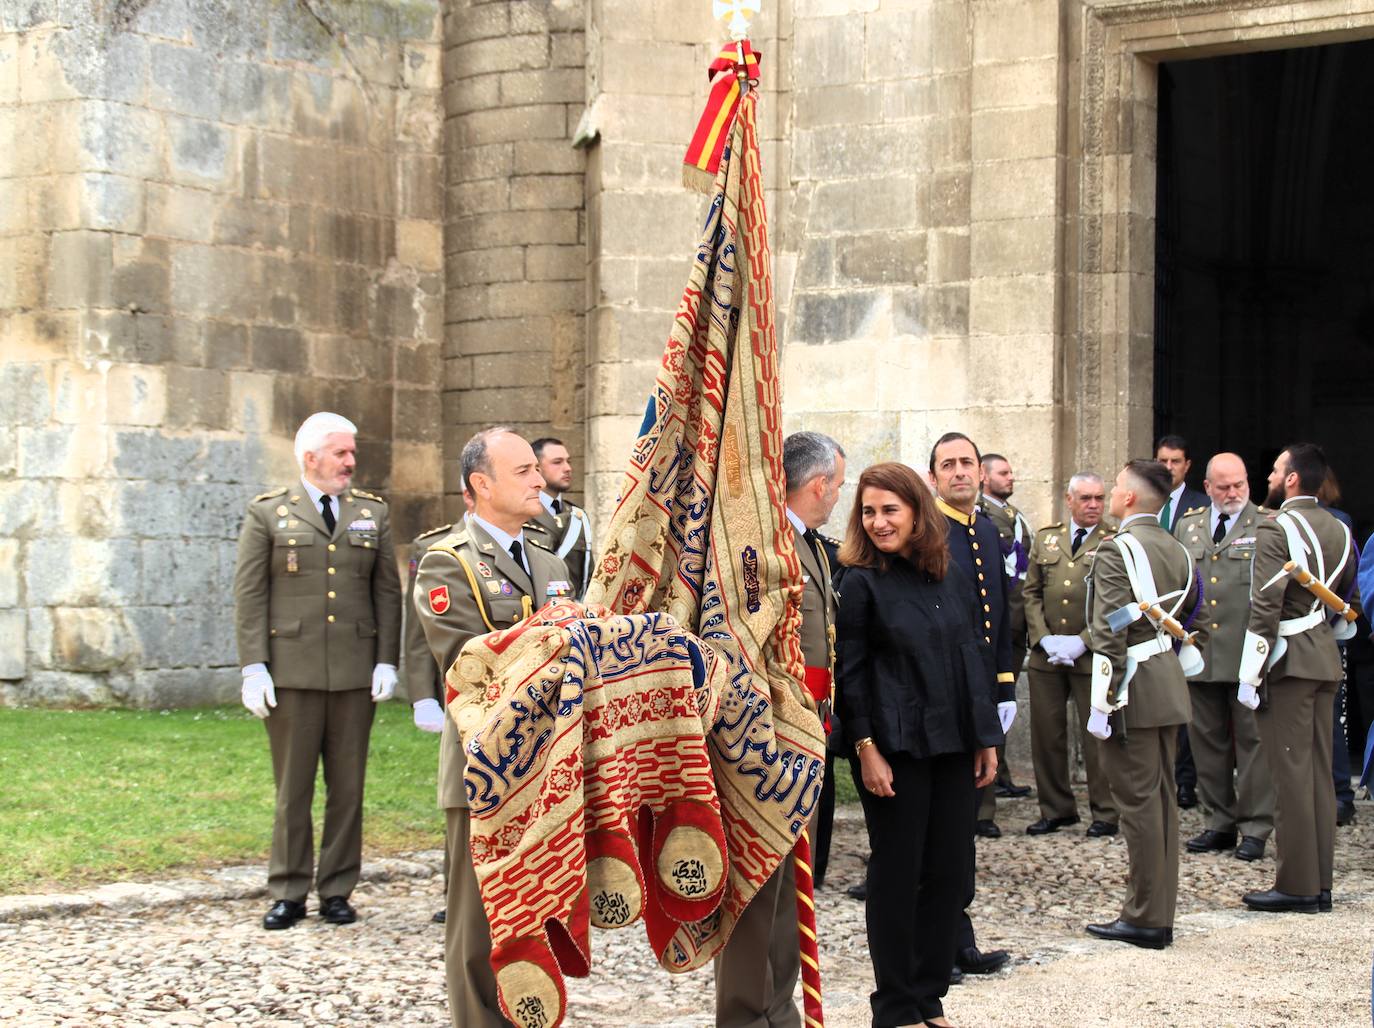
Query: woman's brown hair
{"type": "Point", "coordinates": [929, 534]}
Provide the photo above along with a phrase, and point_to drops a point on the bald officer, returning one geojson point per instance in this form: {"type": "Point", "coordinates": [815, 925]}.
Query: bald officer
{"type": "Point", "coordinates": [486, 576]}
{"type": "Point", "coordinates": [317, 603]}
{"type": "Point", "coordinates": [1137, 674]}
{"type": "Point", "coordinates": [1232, 776]}
{"type": "Point", "coordinates": [757, 970]}
{"type": "Point", "coordinates": [561, 525]}
{"type": "Point", "coordinates": [1060, 667]}
{"type": "Point", "coordinates": [1290, 653]}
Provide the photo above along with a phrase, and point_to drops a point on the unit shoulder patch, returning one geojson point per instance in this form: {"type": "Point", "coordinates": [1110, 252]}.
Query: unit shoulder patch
{"type": "Point", "coordinates": [270, 494]}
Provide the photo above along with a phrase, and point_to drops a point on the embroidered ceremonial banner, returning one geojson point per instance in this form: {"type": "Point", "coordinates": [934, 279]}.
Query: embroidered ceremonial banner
{"type": "Point", "coordinates": [736, 65]}
{"type": "Point", "coordinates": [651, 756]}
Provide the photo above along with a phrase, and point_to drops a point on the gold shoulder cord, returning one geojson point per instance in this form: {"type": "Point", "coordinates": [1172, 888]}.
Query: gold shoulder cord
{"type": "Point", "coordinates": [472, 584]}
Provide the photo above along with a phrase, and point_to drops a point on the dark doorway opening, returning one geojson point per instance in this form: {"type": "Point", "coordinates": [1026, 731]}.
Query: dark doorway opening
{"type": "Point", "coordinates": [1264, 260]}
{"type": "Point", "coordinates": [1264, 270]}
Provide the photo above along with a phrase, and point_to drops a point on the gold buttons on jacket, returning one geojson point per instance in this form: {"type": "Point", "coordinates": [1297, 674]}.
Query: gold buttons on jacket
{"type": "Point", "coordinates": [1068, 583]}
{"type": "Point", "coordinates": [330, 619]}
{"type": "Point", "coordinates": [1215, 626]}
{"type": "Point", "coordinates": [1063, 621]}
{"type": "Point", "coordinates": [330, 570]}
{"type": "Point", "coordinates": [331, 547]}
{"type": "Point", "coordinates": [975, 546]}
{"type": "Point", "coordinates": [290, 542]}
{"type": "Point", "coordinates": [982, 592]}
{"type": "Point", "coordinates": [331, 594]}
{"type": "Point", "coordinates": [980, 576]}
{"type": "Point", "coordinates": [1214, 579]}
{"type": "Point", "coordinates": [1070, 563]}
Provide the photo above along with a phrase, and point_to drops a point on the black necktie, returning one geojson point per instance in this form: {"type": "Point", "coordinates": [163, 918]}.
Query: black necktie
{"type": "Point", "coordinates": [1220, 533]}
{"type": "Point", "coordinates": [327, 509]}
{"type": "Point", "coordinates": [810, 536]}
{"type": "Point", "coordinates": [557, 506]}
{"type": "Point", "coordinates": [515, 553]}
{"type": "Point", "coordinates": [1078, 538]}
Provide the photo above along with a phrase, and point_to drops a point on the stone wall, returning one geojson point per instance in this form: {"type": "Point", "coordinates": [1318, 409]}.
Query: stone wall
{"type": "Point", "coordinates": [515, 236]}
{"type": "Point", "coordinates": [214, 219]}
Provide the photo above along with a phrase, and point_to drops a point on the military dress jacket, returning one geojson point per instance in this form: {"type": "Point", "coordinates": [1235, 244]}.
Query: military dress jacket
{"type": "Point", "coordinates": [552, 529]}
{"type": "Point", "coordinates": [1015, 533]}
{"type": "Point", "coordinates": [319, 608]}
{"type": "Point", "coordinates": [1056, 590]}
{"type": "Point", "coordinates": [976, 547]}
{"type": "Point", "coordinates": [1225, 570]}
{"type": "Point", "coordinates": [1158, 694]}
{"type": "Point", "coordinates": [818, 612]}
{"type": "Point", "coordinates": [1311, 655]}
{"type": "Point", "coordinates": [420, 674]}
{"type": "Point", "coordinates": [467, 586]}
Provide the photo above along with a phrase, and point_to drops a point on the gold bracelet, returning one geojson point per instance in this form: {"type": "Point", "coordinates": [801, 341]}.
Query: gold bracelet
{"type": "Point", "coordinates": [862, 744]}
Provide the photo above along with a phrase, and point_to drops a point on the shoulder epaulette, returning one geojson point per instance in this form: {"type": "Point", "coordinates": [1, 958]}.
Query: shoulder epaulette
{"type": "Point", "coordinates": [1195, 510]}
{"type": "Point", "coordinates": [434, 531]}
{"type": "Point", "coordinates": [534, 525]}
{"type": "Point", "coordinates": [367, 496]}
{"type": "Point", "coordinates": [270, 494]}
{"type": "Point", "coordinates": [1264, 510]}
{"type": "Point", "coordinates": [1051, 528]}
{"type": "Point", "coordinates": [458, 539]}
{"type": "Point", "coordinates": [830, 539]}
{"type": "Point", "coordinates": [542, 545]}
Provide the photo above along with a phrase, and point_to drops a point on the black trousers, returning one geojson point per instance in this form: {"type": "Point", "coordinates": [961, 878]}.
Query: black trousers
{"type": "Point", "coordinates": [822, 823]}
{"type": "Point", "coordinates": [920, 843]}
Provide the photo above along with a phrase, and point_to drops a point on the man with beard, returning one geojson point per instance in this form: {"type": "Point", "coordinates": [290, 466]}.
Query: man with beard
{"type": "Point", "coordinates": [1232, 775]}
{"type": "Point", "coordinates": [975, 546]}
{"type": "Point", "coordinates": [1290, 653]}
{"type": "Point", "coordinates": [561, 525]}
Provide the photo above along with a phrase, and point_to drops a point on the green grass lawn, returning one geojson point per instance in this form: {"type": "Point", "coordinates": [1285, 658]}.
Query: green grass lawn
{"type": "Point", "coordinates": [102, 795]}
{"type": "Point", "coordinates": [94, 796]}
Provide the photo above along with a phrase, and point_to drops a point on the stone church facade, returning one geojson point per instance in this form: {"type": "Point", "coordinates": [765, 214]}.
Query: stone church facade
{"type": "Point", "coordinates": [430, 216]}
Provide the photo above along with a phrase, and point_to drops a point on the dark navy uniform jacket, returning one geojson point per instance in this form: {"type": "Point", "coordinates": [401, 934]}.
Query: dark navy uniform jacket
{"type": "Point", "coordinates": [976, 546]}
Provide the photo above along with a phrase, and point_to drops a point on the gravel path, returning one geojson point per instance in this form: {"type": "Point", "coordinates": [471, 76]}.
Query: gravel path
{"type": "Point", "coordinates": [190, 952]}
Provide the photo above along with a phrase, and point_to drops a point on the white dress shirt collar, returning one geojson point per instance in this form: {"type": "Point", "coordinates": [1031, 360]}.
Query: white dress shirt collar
{"type": "Point", "coordinates": [503, 539]}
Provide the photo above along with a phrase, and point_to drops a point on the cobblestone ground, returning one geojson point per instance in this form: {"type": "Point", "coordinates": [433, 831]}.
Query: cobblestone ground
{"type": "Point", "coordinates": [208, 963]}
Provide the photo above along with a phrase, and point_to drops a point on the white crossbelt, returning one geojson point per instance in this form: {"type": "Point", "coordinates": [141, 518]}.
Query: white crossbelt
{"type": "Point", "coordinates": [1295, 526]}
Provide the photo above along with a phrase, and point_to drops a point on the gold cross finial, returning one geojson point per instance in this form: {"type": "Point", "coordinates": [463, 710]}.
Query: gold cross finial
{"type": "Point", "coordinates": [738, 12]}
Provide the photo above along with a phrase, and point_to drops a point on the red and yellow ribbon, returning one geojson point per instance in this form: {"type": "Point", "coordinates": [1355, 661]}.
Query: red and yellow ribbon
{"type": "Point", "coordinates": [734, 65]}
{"type": "Point", "coordinates": [806, 934]}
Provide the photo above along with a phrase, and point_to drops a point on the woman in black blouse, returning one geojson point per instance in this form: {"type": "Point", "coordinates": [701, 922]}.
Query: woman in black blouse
{"type": "Point", "coordinates": [916, 693]}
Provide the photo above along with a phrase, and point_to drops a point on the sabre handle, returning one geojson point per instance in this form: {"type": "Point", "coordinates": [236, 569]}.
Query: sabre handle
{"type": "Point", "coordinates": [1157, 614]}
{"type": "Point", "coordinates": [1318, 589]}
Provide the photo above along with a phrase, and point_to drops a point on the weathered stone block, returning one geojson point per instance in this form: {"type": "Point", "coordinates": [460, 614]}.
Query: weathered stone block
{"type": "Point", "coordinates": [499, 264]}
{"type": "Point", "coordinates": [467, 163]}
{"type": "Point", "coordinates": [137, 395]}
{"type": "Point", "coordinates": [1009, 134]}
{"type": "Point", "coordinates": [420, 244]}
{"type": "Point", "coordinates": [1015, 85]}
{"type": "Point", "coordinates": [536, 121]}
{"type": "Point", "coordinates": [240, 222]}
{"type": "Point", "coordinates": [831, 49]}
{"type": "Point", "coordinates": [24, 394]}
{"type": "Point", "coordinates": [394, 313]}
{"type": "Point", "coordinates": [1014, 189]}
{"type": "Point", "coordinates": [216, 282]}
{"type": "Point", "coordinates": [78, 571]}
{"type": "Point", "coordinates": [881, 258]}
{"type": "Point", "coordinates": [1012, 31]}
{"type": "Point", "coordinates": [201, 398]}
{"type": "Point", "coordinates": [251, 402]}
{"type": "Point", "coordinates": [546, 192]}
{"type": "Point", "coordinates": [144, 454]}
{"type": "Point", "coordinates": [948, 255]}
{"type": "Point", "coordinates": [552, 157]}
{"type": "Point", "coordinates": [513, 228]}
{"type": "Point", "coordinates": [177, 213]}
{"type": "Point", "coordinates": [500, 53]}
{"type": "Point", "coordinates": [544, 86]}
{"type": "Point", "coordinates": [869, 205]}
{"type": "Point", "coordinates": [1019, 246]}
{"type": "Point", "coordinates": [556, 262]}
{"type": "Point", "coordinates": [13, 644]}
{"type": "Point", "coordinates": [826, 317]}
{"type": "Point", "coordinates": [10, 565]}
{"type": "Point", "coordinates": [79, 269]}
{"type": "Point", "coordinates": [835, 151]}
{"type": "Point", "coordinates": [278, 349]}
{"type": "Point", "coordinates": [1024, 305]}
{"type": "Point", "coordinates": [896, 43]}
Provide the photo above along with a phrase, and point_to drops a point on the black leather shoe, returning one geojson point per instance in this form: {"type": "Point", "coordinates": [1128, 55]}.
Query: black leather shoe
{"type": "Point", "coordinates": [987, 830]}
{"type": "Point", "coordinates": [1345, 813]}
{"type": "Point", "coordinates": [335, 910]}
{"type": "Point", "coordinates": [1102, 829]}
{"type": "Point", "coordinates": [970, 961]}
{"type": "Point", "coordinates": [284, 914]}
{"type": "Point", "coordinates": [1124, 931]}
{"type": "Point", "coordinates": [857, 892]}
{"type": "Point", "coordinates": [1208, 841]}
{"type": "Point", "coordinates": [1008, 791]}
{"type": "Point", "coordinates": [1250, 848]}
{"type": "Point", "coordinates": [439, 917]}
{"type": "Point", "coordinates": [1050, 824]}
{"type": "Point", "coordinates": [1272, 901]}
{"type": "Point", "coordinates": [1187, 797]}
{"type": "Point", "coordinates": [1324, 901]}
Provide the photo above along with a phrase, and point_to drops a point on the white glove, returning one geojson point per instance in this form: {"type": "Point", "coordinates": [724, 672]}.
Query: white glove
{"type": "Point", "coordinates": [383, 682]}
{"type": "Point", "coordinates": [1071, 647]}
{"type": "Point", "coordinates": [1247, 696]}
{"type": "Point", "coordinates": [1052, 644]}
{"type": "Point", "coordinates": [1098, 725]}
{"type": "Point", "coordinates": [258, 693]}
{"type": "Point", "coordinates": [1006, 713]}
{"type": "Point", "coordinates": [429, 716]}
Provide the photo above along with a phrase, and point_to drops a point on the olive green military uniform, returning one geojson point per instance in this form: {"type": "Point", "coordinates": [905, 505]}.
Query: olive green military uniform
{"type": "Point", "coordinates": [1232, 775]}
{"type": "Point", "coordinates": [1139, 757]}
{"type": "Point", "coordinates": [467, 586]}
{"type": "Point", "coordinates": [1014, 531]}
{"type": "Point", "coordinates": [1056, 603]}
{"type": "Point", "coordinates": [421, 676]}
{"type": "Point", "coordinates": [554, 531]}
{"type": "Point", "coordinates": [1299, 694]}
{"type": "Point", "coordinates": [757, 971]}
{"type": "Point", "coordinates": [320, 609]}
